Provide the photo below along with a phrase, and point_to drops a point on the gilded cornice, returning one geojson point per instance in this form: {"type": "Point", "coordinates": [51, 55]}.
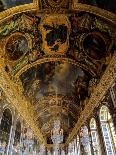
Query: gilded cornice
{"type": "Point", "coordinates": [96, 11]}
{"type": "Point", "coordinates": [15, 98]}
{"type": "Point", "coordinates": [105, 83]}
{"type": "Point", "coordinates": [44, 60]}
{"type": "Point", "coordinates": [50, 59]}
{"type": "Point", "coordinates": [78, 7]}
{"type": "Point", "coordinates": [18, 9]}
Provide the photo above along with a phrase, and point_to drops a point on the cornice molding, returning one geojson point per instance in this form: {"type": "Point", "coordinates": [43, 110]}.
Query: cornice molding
{"type": "Point", "coordinates": [105, 83]}
{"type": "Point", "coordinates": [96, 11]}
{"type": "Point", "coordinates": [4, 15]}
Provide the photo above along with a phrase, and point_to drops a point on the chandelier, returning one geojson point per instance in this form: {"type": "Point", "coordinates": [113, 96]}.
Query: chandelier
{"type": "Point", "coordinates": [57, 135]}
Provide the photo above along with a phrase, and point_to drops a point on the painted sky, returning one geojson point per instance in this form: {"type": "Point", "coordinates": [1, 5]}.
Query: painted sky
{"type": "Point", "coordinates": [51, 77]}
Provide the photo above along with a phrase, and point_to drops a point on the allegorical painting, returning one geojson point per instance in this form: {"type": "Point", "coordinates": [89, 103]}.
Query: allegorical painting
{"type": "Point", "coordinates": [55, 31]}
{"type": "Point", "coordinates": [16, 46]}
{"type": "Point", "coordinates": [5, 4]}
{"type": "Point", "coordinates": [51, 78]}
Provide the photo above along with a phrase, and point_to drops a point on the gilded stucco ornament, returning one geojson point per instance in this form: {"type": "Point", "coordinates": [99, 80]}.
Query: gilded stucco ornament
{"type": "Point", "coordinates": [56, 3]}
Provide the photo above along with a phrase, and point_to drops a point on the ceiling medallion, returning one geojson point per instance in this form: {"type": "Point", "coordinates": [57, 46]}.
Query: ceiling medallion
{"type": "Point", "coordinates": [17, 45]}
{"type": "Point", "coordinates": [94, 45]}
{"type": "Point", "coordinates": [56, 3]}
{"type": "Point", "coordinates": [55, 31]}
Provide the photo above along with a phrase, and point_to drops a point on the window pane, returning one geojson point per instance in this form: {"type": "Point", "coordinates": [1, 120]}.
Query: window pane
{"type": "Point", "coordinates": [108, 135]}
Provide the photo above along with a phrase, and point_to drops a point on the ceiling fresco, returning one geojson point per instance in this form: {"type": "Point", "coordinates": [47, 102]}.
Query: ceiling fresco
{"type": "Point", "coordinates": [51, 77]}
{"type": "Point", "coordinates": [6, 4]}
{"type": "Point", "coordinates": [57, 60]}
{"type": "Point", "coordinates": [55, 82]}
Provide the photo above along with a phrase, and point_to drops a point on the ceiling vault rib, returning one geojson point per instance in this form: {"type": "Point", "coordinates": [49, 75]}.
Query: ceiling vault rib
{"type": "Point", "coordinates": [13, 96]}
{"type": "Point", "coordinates": [106, 81]}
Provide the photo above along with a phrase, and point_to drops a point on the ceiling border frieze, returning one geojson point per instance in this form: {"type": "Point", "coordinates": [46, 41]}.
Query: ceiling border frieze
{"type": "Point", "coordinates": [78, 7]}
{"type": "Point", "coordinates": [45, 60]}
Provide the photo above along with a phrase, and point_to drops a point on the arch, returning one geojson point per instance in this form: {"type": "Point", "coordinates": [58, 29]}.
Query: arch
{"type": "Point", "coordinates": [95, 137]}
{"type": "Point", "coordinates": [11, 109]}
{"type": "Point", "coordinates": [108, 132]}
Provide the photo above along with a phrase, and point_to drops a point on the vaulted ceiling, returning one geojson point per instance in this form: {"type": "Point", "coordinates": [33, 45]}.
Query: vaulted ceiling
{"type": "Point", "coordinates": [56, 52]}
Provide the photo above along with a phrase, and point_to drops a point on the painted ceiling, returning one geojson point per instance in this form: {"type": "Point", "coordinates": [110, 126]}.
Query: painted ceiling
{"type": "Point", "coordinates": [56, 59]}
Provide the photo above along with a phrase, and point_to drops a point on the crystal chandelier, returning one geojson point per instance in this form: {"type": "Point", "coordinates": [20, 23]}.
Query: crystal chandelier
{"type": "Point", "coordinates": [56, 135]}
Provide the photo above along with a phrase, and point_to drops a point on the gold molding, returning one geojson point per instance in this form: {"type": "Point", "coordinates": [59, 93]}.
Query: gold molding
{"type": "Point", "coordinates": [44, 60]}
{"type": "Point", "coordinates": [18, 9]}
{"type": "Point", "coordinates": [95, 10]}
{"type": "Point", "coordinates": [79, 7]}
{"type": "Point", "coordinates": [105, 83]}
{"type": "Point", "coordinates": [14, 97]}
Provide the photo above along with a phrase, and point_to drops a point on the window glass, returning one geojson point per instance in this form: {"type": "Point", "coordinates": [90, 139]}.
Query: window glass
{"type": "Point", "coordinates": [108, 131]}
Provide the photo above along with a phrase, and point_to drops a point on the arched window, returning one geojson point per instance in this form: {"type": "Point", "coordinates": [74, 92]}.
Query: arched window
{"type": "Point", "coordinates": [85, 141]}
{"type": "Point", "coordinates": [5, 128]}
{"type": "Point", "coordinates": [17, 133]}
{"type": "Point", "coordinates": [108, 131]}
{"type": "Point", "coordinates": [95, 138]}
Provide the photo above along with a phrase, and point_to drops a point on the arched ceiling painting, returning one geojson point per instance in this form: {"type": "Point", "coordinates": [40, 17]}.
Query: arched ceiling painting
{"type": "Point", "coordinates": [57, 59]}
